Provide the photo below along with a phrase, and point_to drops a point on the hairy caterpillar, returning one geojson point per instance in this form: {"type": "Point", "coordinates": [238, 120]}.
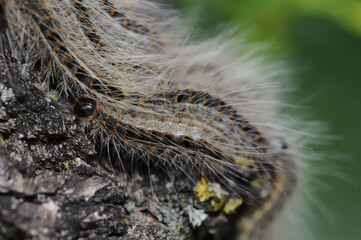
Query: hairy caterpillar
{"type": "Point", "coordinates": [140, 88]}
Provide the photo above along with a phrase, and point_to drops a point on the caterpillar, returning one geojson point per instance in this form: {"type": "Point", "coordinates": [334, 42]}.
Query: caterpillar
{"type": "Point", "coordinates": [144, 91]}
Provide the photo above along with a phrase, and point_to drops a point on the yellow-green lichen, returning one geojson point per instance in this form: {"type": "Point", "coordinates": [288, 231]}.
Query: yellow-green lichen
{"type": "Point", "coordinates": [53, 97]}
{"type": "Point", "coordinates": [67, 165]}
{"type": "Point", "coordinates": [217, 204]}
{"type": "Point", "coordinates": [202, 190]}
{"type": "Point", "coordinates": [232, 205]}
{"type": "Point", "coordinates": [2, 142]}
{"type": "Point", "coordinates": [219, 197]}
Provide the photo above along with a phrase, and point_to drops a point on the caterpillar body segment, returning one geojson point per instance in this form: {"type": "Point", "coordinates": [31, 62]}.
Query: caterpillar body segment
{"type": "Point", "coordinates": [78, 54]}
{"type": "Point", "coordinates": [237, 156]}
{"type": "Point", "coordinates": [150, 95]}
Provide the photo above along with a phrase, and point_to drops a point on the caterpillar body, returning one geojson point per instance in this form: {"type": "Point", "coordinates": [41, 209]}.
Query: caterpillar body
{"type": "Point", "coordinates": [140, 87]}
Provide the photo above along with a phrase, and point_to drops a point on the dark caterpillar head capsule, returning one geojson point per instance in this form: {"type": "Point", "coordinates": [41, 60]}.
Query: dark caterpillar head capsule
{"type": "Point", "coordinates": [84, 107]}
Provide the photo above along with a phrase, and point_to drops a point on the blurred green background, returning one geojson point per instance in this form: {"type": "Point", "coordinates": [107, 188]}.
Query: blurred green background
{"type": "Point", "coordinates": [323, 39]}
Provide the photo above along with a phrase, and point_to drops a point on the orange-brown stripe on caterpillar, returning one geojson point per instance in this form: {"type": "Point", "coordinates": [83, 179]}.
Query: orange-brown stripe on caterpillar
{"type": "Point", "coordinates": [60, 49]}
{"type": "Point", "coordinates": [51, 31]}
{"type": "Point", "coordinates": [127, 23]}
{"type": "Point", "coordinates": [182, 132]}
